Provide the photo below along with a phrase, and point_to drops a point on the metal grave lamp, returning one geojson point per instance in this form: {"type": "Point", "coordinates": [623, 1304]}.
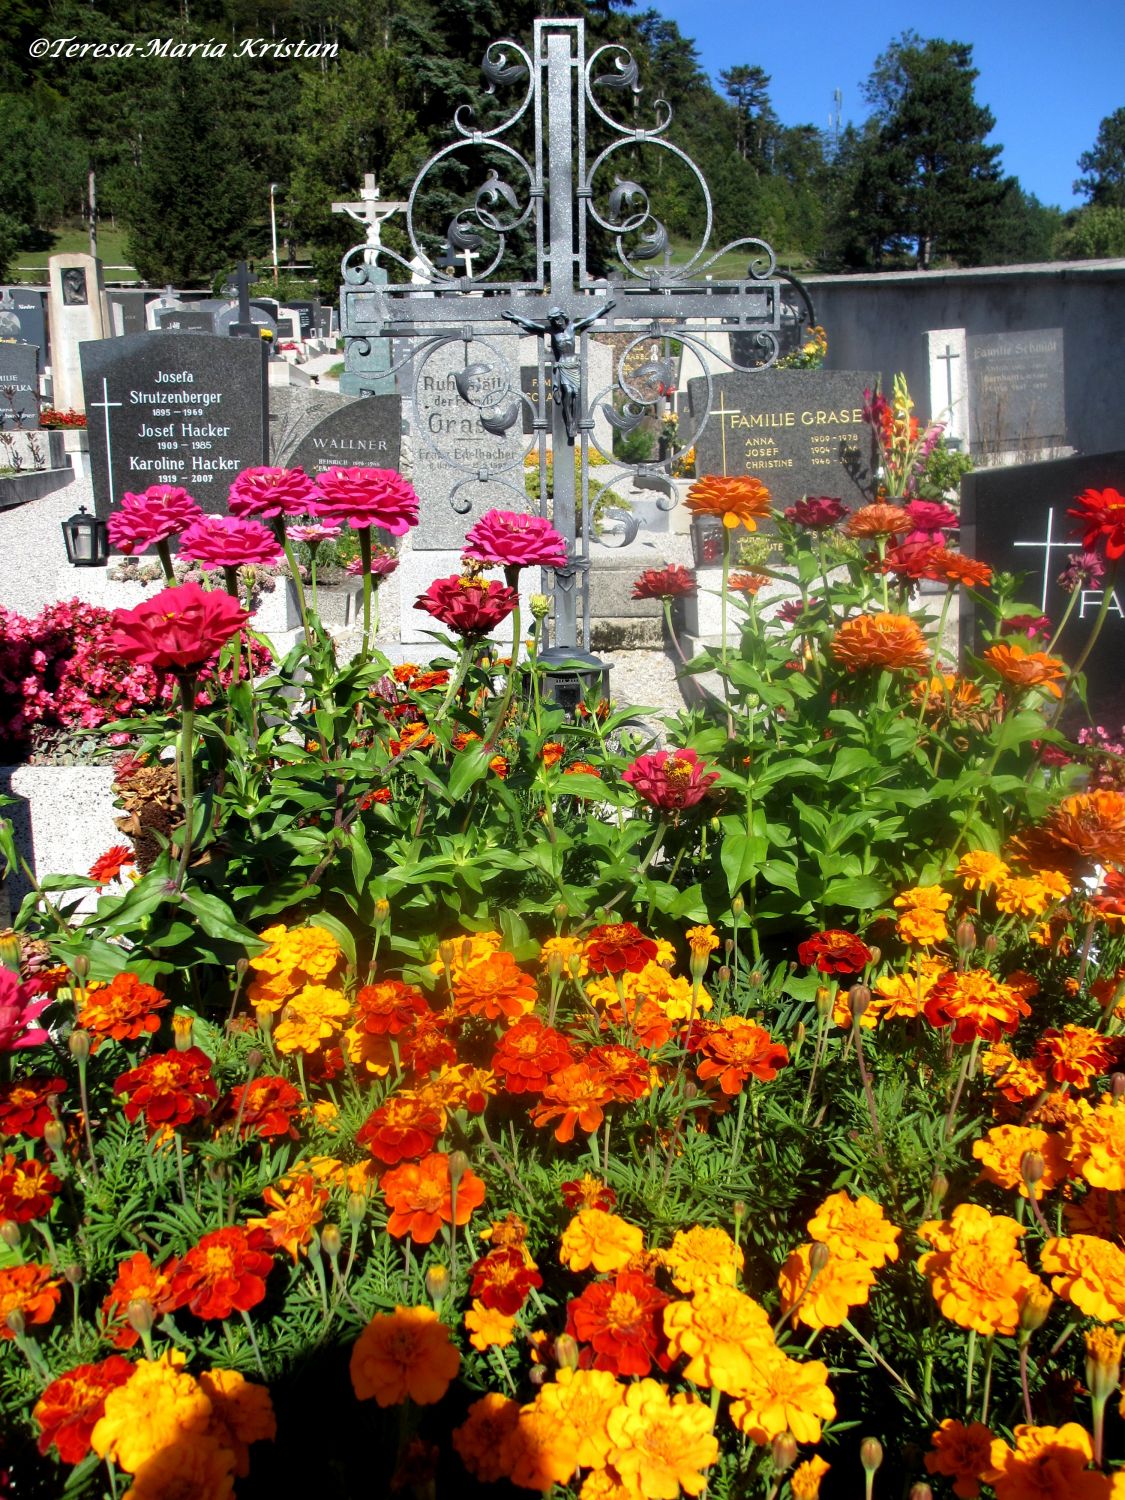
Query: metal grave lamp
{"type": "Point", "coordinates": [706, 541]}
{"type": "Point", "coordinates": [87, 545]}
{"type": "Point", "coordinates": [569, 674]}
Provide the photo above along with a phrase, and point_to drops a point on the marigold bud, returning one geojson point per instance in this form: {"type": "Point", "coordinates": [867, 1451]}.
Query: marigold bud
{"type": "Point", "coordinates": [566, 1352]}
{"type": "Point", "coordinates": [9, 1233]}
{"type": "Point", "coordinates": [16, 1322]}
{"type": "Point", "coordinates": [859, 998]}
{"type": "Point", "coordinates": [466, 951]}
{"type": "Point", "coordinates": [714, 825]}
{"type": "Point", "coordinates": [783, 1452]}
{"type": "Point", "coordinates": [1117, 1084]}
{"type": "Point", "coordinates": [939, 1186]}
{"type": "Point", "coordinates": [876, 954]}
{"type": "Point", "coordinates": [757, 979]}
{"type": "Point", "coordinates": [991, 943]}
{"type": "Point", "coordinates": [818, 1257]}
{"type": "Point", "coordinates": [54, 1136]}
{"type": "Point", "coordinates": [920, 1491]}
{"type": "Point", "coordinates": [1103, 1363]}
{"type": "Point", "coordinates": [537, 1376]}
{"type": "Point", "coordinates": [242, 967]}
{"type": "Point", "coordinates": [738, 906]}
{"type": "Point", "coordinates": [437, 1283]}
{"type": "Point", "coordinates": [381, 911]}
{"type": "Point", "coordinates": [1036, 1308]}
{"type": "Point", "coordinates": [800, 1032]}
{"type": "Point", "coordinates": [458, 1166]}
{"type": "Point", "coordinates": [182, 1026]}
{"type": "Point", "coordinates": [562, 911]}
{"type": "Point", "coordinates": [254, 1059]}
{"type": "Point", "coordinates": [140, 1315]}
{"type": "Point", "coordinates": [357, 1209]}
{"type": "Point", "coordinates": [723, 973]}
{"type": "Point", "coordinates": [965, 936]}
{"type": "Point", "coordinates": [870, 1454]}
{"type": "Point", "coordinates": [540, 606]}
{"type": "Point", "coordinates": [264, 1017]}
{"type": "Point", "coordinates": [823, 1000]}
{"type": "Point", "coordinates": [331, 1240]}
{"type": "Point", "coordinates": [79, 1044]}
{"type": "Point", "coordinates": [574, 965]}
{"type": "Point", "coordinates": [728, 946]}
{"type": "Point", "coordinates": [446, 952]}
{"type": "Point", "coordinates": [75, 1273]}
{"type": "Point", "coordinates": [1032, 1167]}
{"type": "Point", "coordinates": [555, 965]}
{"type": "Point", "coordinates": [80, 966]}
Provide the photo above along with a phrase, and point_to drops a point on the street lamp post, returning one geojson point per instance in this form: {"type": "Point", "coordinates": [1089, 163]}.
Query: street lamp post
{"type": "Point", "coordinates": [273, 229]}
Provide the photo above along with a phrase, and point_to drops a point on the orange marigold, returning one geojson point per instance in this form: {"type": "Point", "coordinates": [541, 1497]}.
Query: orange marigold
{"type": "Point", "coordinates": [495, 988]}
{"type": "Point", "coordinates": [805, 1481]}
{"type": "Point", "coordinates": [979, 870]}
{"type": "Point", "coordinates": [826, 1299]}
{"type": "Point", "coordinates": [1027, 669]}
{"type": "Point", "coordinates": [225, 1272]}
{"type": "Point", "coordinates": [579, 1403]}
{"type": "Point", "coordinates": [575, 1097]}
{"type": "Point", "coordinates": [719, 1332]}
{"type": "Point", "coordinates": [241, 1413]}
{"type": "Point", "coordinates": [962, 1454]}
{"type": "Point", "coordinates": [885, 641]}
{"type": "Point", "coordinates": [702, 1256]}
{"type": "Point", "coordinates": [483, 1438]}
{"type": "Point", "coordinates": [294, 1215]}
{"type": "Point", "coordinates": [196, 1466]}
{"type": "Point", "coordinates": [976, 1006]}
{"type": "Point", "coordinates": [975, 1271]}
{"type": "Point", "coordinates": [73, 1404]}
{"type": "Point", "coordinates": [784, 1395]}
{"type": "Point", "coordinates": [488, 1327]}
{"type": "Point", "coordinates": [538, 1455]}
{"type": "Point", "coordinates": [124, 1009]}
{"type": "Point", "coordinates": [27, 1189]}
{"type": "Point", "coordinates": [601, 1240]}
{"type": "Point", "coordinates": [1089, 1272]}
{"type": "Point", "coordinates": [1097, 1146]}
{"type": "Point", "coordinates": [1002, 1150]}
{"type": "Point", "coordinates": [660, 1445]}
{"type": "Point", "coordinates": [855, 1229]}
{"type": "Point", "coordinates": [1049, 1463]}
{"type": "Point", "coordinates": [407, 1354]}
{"type": "Point", "coordinates": [419, 1195]}
{"type": "Point", "coordinates": [160, 1406]}
{"type": "Point", "coordinates": [735, 1051]}
{"type": "Point", "coordinates": [738, 499]}
{"type": "Point", "coordinates": [29, 1289]}
{"type": "Point", "coordinates": [138, 1280]}
{"type": "Point", "coordinates": [1076, 1054]}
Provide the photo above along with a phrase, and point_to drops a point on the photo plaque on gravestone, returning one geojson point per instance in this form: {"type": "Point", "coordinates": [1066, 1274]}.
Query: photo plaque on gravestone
{"type": "Point", "coordinates": [174, 408]}
{"type": "Point", "coordinates": [75, 291]}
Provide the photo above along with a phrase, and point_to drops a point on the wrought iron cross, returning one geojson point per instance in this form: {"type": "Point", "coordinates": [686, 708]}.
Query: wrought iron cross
{"type": "Point", "coordinates": [555, 200]}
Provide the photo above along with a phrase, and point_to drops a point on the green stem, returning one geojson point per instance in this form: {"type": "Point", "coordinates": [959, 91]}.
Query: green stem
{"type": "Point", "coordinates": [164, 553]}
{"type": "Point", "coordinates": [298, 582]}
{"type": "Point", "coordinates": [364, 535]}
{"type": "Point", "coordinates": [1067, 612]}
{"type": "Point", "coordinates": [509, 685]}
{"type": "Point", "coordinates": [231, 577]}
{"type": "Point", "coordinates": [187, 762]}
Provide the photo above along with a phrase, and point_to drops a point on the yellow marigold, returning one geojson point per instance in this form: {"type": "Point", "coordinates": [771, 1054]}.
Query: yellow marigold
{"type": "Point", "coordinates": [579, 1402]}
{"type": "Point", "coordinates": [564, 949]}
{"type": "Point", "coordinates": [928, 897]}
{"type": "Point", "coordinates": [294, 958]}
{"type": "Point", "coordinates": [538, 1455]}
{"type": "Point", "coordinates": [466, 951]}
{"type": "Point", "coordinates": [599, 1239]}
{"type": "Point", "coordinates": [1097, 1146]}
{"type": "Point", "coordinates": [1022, 896]}
{"type": "Point", "coordinates": [702, 940]}
{"type": "Point", "coordinates": [293, 1216]}
{"type": "Point", "coordinates": [368, 1050]}
{"type": "Point", "coordinates": [241, 1413]}
{"type": "Point", "coordinates": [890, 642]}
{"type": "Point", "coordinates": [701, 1256]}
{"type": "Point", "coordinates": [970, 1224]}
{"type": "Point", "coordinates": [312, 1017]}
{"type": "Point", "coordinates": [1048, 1463]}
{"type": "Point", "coordinates": [962, 1454]}
{"type": "Point", "coordinates": [983, 1284]}
{"type": "Point", "coordinates": [673, 993]}
{"type": "Point", "coordinates": [407, 1353]}
{"type": "Point", "coordinates": [160, 1405]}
{"type": "Point", "coordinates": [900, 997]}
{"type": "Point", "coordinates": [718, 1332]}
{"type": "Point", "coordinates": [660, 1445]}
{"type": "Point", "coordinates": [1002, 1149]}
{"type": "Point", "coordinates": [920, 924]}
{"type": "Point", "coordinates": [488, 1327]}
{"type": "Point", "coordinates": [834, 1291]}
{"type": "Point", "coordinates": [738, 499]}
{"type": "Point", "coordinates": [785, 1395]}
{"type": "Point", "coordinates": [855, 1229]}
{"type": "Point", "coordinates": [1017, 1078]}
{"type": "Point", "coordinates": [979, 870]}
{"type": "Point", "coordinates": [1089, 1272]}
{"type": "Point", "coordinates": [483, 1440]}
{"type": "Point", "coordinates": [805, 1481]}
{"type": "Point", "coordinates": [604, 1484]}
{"type": "Point", "coordinates": [192, 1468]}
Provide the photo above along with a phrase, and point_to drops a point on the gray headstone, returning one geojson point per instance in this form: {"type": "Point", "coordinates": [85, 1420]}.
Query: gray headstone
{"type": "Point", "coordinates": [801, 432]}
{"type": "Point", "coordinates": [259, 316]}
{"type": "Point", "coordinates": [1016, 391]}
{"type": "Point", "coordinates": [166, 408]}
{"type": "Point", "coordinates": [323, 322]}
{"type": "Point", "coordinates": [366, 361]}
{"type": "Point", "coordinates": [29, 309]}
{"type": "Point", "coordinates": [132, 309]}
{"type": "Point", "coordinates": [19, 386]}
{"type": "Point", "coordinates": [288, 326]}
{"type": "Point", "coordinates": [186, 320]}
{"type": "Point", "coordinates": [364, 434]}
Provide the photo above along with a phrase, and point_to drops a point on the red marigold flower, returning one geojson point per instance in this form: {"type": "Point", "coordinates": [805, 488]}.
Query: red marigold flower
{"type": "Point", "coordinates": [390, 1007]}
{"type": "Point", "coordinates": [177, 629]}
{"type": "Point", "coordinates": [371, 799]}
{"type": "Point", "coordinates": [419, 1195]}
{"type": "Point", "coordinates": [738, 1050]}
{"type": "Point", "coordinates": [587, 1192]}
{"type": "Point", "coordinates": [368, 497]}
{"type": "Point", "coordinates": [124, 1009]}
{"type": "Point", "coordinates": [27, 1105]}
{"type": "Point", "coordinates": [834, 952]}
{"type": "Point", "coordinates": [576, 1096]}
{"type": "Point", "coordinates": [470, 606]}
{"type": "Point", "coordinates": [529, 1055]}
{"type": "Point", "coordinates": [816, 512]}
{"type": "Point", "coordinates": [619, 948]}
{"type": "Point", "coordinates": [28, 1190]}
{"type": "Point", "coordinates": [226, 1272]}
{"type": "Point", "coordinates": [270, 493]}
{"type": "Point", "coordinates": [266, 1106]}
{"type": "Point", "coordinates": [670, 779]}
{"type": "Point", "coordinates": [516, 539]}
{"type": "Point", "coordinates": [151, 517]}
{"type": "Point", "coordinates": [1076, 1054]}
{"type": "Point", "coordinates": [426, 1048]}
{"type": "Point", "coordinates": [73, 1404]}
{"type": "Point", "coordinates": [627, 1074]}
{"type": "Point", "coordinates": [230, 542]}
{"type": "Point", "coordinates": [975, 1005]}
{"type": "Point", "coordinates": [169, 1088]}
{"type": "Point", "coordinates": [403, 1128]}
{"type": "Point", "coordinates": [503, 1278]}
{"type": "Point", "coordinates": [494, 988]}
{"type": "Point", "coordinates": [620, 1320]}
{"type": "Point", "coordinates": [671, 582]}
{"type": "Point", "coordinates": [108, 866]}
{"type": "Point", "coordinates": [138, 1280]}
{"type": "Point", "coordinates": [1100, 517]}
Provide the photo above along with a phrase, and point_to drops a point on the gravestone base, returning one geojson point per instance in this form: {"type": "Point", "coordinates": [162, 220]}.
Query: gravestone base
{"type": "Point", "coordinates": [41, 449]}
{"type": "Point", "coordinates": [625, 634]}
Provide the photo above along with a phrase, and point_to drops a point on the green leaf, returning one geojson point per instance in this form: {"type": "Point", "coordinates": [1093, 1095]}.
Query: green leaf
{"type": "Point", "coordinates": [850, 762]}
{"type": "Point", "coordinates": [341, 933]}
{"type": "Point", "coordinates": [740, 856]}
{"type": "Point", "coordinates": [776, 873]}
{"type": "Point", "coordinates": [858, 893]}
{"type": "Point", "coordinates": [362, 859]}
{"type": "Point", "coordinates": [469, 766]}
{"type": "Point", "coordinates": [219, 922]}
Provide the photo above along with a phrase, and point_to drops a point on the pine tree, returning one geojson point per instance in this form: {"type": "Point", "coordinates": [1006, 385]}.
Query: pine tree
{"type": "Point", "coordinates": [1104, 165]}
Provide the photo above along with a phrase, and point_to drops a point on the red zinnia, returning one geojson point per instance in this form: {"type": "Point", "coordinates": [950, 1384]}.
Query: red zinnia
{"type": "Point", "coordinates": [108, 866]}
{"type": "Point", "coordinates": [403, 1128]}
{"type": "Point", "coordinates": [670, 779]}
{"type": "Point", "coordinates": [390, 1007]}
{"type": "Point", "coordinates": [138, 1280]}
{"type": "Point", "coordinates": [834, 952]}
{"type": "Point", "coordinates": [265, 1106]}
{"type": "Point", "coordinates": [170, 1088]}
{"type": "Point", "coordinates": [620, 1320]}
{"type": "Point", "coordinates": [736, 1051]}
{"type": "Point", "coordinates": [619, 948]}
{"type": "Point", "coordinates": [1101, 517]}
{"type": "Point", "coordinates": [672, 582]}
{"type": "Point", "coordinates": [73, 1404]}
{"type": "Point", "coordinates": [27, 1190]}
{"type": "Point", "coordinates": [529, 1055]}
{"type": "Point", "coordinates": [226, 1272]}
{"type": "Point", "coordinates": [817, 512]}
{"type": "Point", "coordinates": [470, 606]}
{"type": "Point", "coordinates": [26, 1106]}
{"type": "Point", "coordinates": [177, 629]}
{"type": "Point", "coordinates": [503, 1278]}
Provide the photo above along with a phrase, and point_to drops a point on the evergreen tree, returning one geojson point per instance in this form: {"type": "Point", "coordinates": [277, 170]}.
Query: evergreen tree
{"type": "Point", "coordinates": [1104, 165]}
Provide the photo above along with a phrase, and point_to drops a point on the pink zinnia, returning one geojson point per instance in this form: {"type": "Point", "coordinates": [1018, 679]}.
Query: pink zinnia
{"type": "Point", "coordinates": [178, 629]}
{"type": "Point", "coordinates": [513, 539]}
{"type": "Point", "coordinates": [368, 497]}
{"type": "Point", "coordinates": [929, 519]}
{"type": "Point", "coordinates": [383, 564]}
{"type": "Point", "coordinates": [816, 512]}
{"type": "Point", "coordinates": [229, 542]}
{"type": "Point", "coordinates": [1030, 626]}
{"type": "Point", "coordinates": [151, 517]}
{"type": "Point", "coordinates": [672, 582]}
{"type": "Point", "coordinates": [670, 779]}
{"type": "Point", "coordinates": [20, 1007]}
{"type": "Point", "coordinates": [470, 606]}
{"type": "Point", "coordinates": [315, 533]}
{"type": "Point", "coordinates": [269, 493]}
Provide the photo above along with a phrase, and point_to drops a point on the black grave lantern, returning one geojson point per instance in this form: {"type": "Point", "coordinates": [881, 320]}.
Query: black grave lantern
{"type": "Point", "coordinates": [707, 541]}
{"type": "Point", "coordinates": [87, 545]}
{"type": "Point", "coordinates": [569, 675]}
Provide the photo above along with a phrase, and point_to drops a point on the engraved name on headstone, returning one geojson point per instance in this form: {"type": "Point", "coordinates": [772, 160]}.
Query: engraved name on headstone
{"type": "Point", "coordinates": [366, 433]}
{"type": "Point", "coordinates": [1016, 391]}
{"type": "Point", "coordinates": [19, 387]}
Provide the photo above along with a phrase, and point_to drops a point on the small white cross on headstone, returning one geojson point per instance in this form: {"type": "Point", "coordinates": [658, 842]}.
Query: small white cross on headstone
{"type": "Point", "coordinates": [104, 406]}
{"type": "Point", "coordinates": [1046, 546]}
{"type": "Point", "coordinates": [370, 211]}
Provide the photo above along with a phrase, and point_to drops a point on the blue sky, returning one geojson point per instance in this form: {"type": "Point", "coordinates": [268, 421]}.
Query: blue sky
{"type": "Point", "coordinates": [1050, 73]}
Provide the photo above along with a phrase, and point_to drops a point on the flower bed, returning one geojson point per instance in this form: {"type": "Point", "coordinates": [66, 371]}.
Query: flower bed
{"type": "Point", "coordinates": [514, 1106]}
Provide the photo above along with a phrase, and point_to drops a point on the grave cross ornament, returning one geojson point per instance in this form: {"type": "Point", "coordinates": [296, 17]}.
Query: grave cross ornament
{"type": "Point", "coordinates": [561, 208]}
{"type": "Point", "coordinates": [371, 211]}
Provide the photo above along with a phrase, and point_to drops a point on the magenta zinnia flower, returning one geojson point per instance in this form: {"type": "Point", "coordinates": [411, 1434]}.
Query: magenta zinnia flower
{"type": "Point", "coordinates": [929, 519]}
{"type": "Point", "coordinates": [229, 542]}
{"type": "Point", "coordinates": [670, 779]}
{"type": "Point", "coordinates": [20, 1007]}
{"type": "Point", "coordinates": [1100, 518]}
{"type": "Point", "coordinates": [178, 629]}
{"type": "Point", "coordinates": [383, 564]}
{"type": "Point", "coordinates": [368, 497]}
{"type": "Point", "coordinates": [816, 512]}
{"type": "Point", "coordinates": [1085, 570]}
{"type": "Point", "coordinates": [672, 582]}
{"type": "Point", "coordinates": [269, 493]}
{"type": "Point", "coordinates": [315, 533]}
{"type": "Point", "coordinates": [1030, 626]}
{"type": "Point", "coordinates": [151, 517]}
{"type": "Point", "coordinates": [470, 606]}
{"type": "Point", "coordinates": [513, 539]}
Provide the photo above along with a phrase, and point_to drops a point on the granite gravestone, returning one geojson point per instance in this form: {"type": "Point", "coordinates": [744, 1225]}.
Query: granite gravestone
{"type": "Point", "coordinates": [1016, 391]}
{"type": "Point", "coordinates": [259, 316]}
{"type": "Point", "coordinates": [27, 307]}
{"type": "Point", "coordinates": [174, 408]}
{"type": "Point", "coordinates": [199, 317]}
{"type": "Point", "coordinates": [127, 308]}
{"type": "Point", "coordinates": [364, 434]}
{"type": "Point", "coordinates": [1015, 519]}
{"type": "Point", "coordinates": [801, 432]}
{"type": "Point", "coordinates": [79, 313]}
{"type": "Point", "coordinates": [19, 387]}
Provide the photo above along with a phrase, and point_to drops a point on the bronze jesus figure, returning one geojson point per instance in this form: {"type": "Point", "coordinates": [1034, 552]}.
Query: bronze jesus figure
{"type": "Point", "coordinates": [565, 374]}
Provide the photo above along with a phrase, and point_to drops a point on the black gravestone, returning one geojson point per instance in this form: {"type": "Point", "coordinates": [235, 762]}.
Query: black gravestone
{"type": "Point", "coordinates": [127, 307]}
{"type": "Point", "coordinates": [365, 434]}
{"type": "Point", "coordinates": [186, 320]}
{"type": "Point", "coordinates": [801, 432]}
{"type": "Point", "coordinates": [19, 387]}
{"type": "Point", "coordinates": [25, 305]}
{"type": "Point", "coordinates": [306, 314]}
{"type": "Point", "coordinates": [173, 408]}
{"type": "Point", "coordinates": [1016, 391]}
{"type": "Point", "coordinates": [288, 326]}
{"type": "Point", "coordinates": [323, 322]}
{"type": "Point", "coordinates": [1015, 519]}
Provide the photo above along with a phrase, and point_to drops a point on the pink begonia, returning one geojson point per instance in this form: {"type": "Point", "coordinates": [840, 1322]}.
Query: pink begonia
{"type": "Point", "coordinates": [150, 517]}
{"type": "Point", "coordinates": [230, 542]}
{"type": "Point", "coordinates": [270, 493]}
{"type": "Point", "coordinates": [513, 539]}
{"type": "Point", "coordinates": [20, 1007]}
{"type": "Point", "coordinates": [368, 497]}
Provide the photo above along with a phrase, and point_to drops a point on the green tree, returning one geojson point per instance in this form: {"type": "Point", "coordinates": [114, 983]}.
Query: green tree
{"type": "Point", "coordinates": [1104, 165]}
{"type": "Point", "coordinates": [748, 89]}
{"type": "Point", "coordinates": [1096, 232]}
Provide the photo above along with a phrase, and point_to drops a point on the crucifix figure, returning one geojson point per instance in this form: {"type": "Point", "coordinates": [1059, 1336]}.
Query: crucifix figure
{"type": "Point", "coordinates": [370, 211]}
{"type": "Point", "coordinates": [565, 372]}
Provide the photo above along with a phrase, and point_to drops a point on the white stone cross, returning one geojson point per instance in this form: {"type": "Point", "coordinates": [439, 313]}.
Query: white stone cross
{"type": "Point", "coordinates": [104, 406]}
{"type": "Point", "coordinates": [370, 211]}
{"type": "Point", "coordinates": [1047, 545]}
{"type": "Point", "coordinates": [949, 357]}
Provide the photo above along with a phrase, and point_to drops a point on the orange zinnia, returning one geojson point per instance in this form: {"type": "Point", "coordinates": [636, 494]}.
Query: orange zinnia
{"type": "Point", "coordinates": [739, 499]}
{"type": "Point", "coordinates": [420, 1197]}
{"type": "Point", "coordinates": [1092, 824]}
{"type": "Point", "coordinates": [404, 1355]}
{"type": "Point", "coordinates": [878, 520]}
{"type": "Point", "coordinates": [1027, 669]}
{"type": "Point", "coordinates": [894, 642]}
{"type": "Point", "coordinates": [954, 567]}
